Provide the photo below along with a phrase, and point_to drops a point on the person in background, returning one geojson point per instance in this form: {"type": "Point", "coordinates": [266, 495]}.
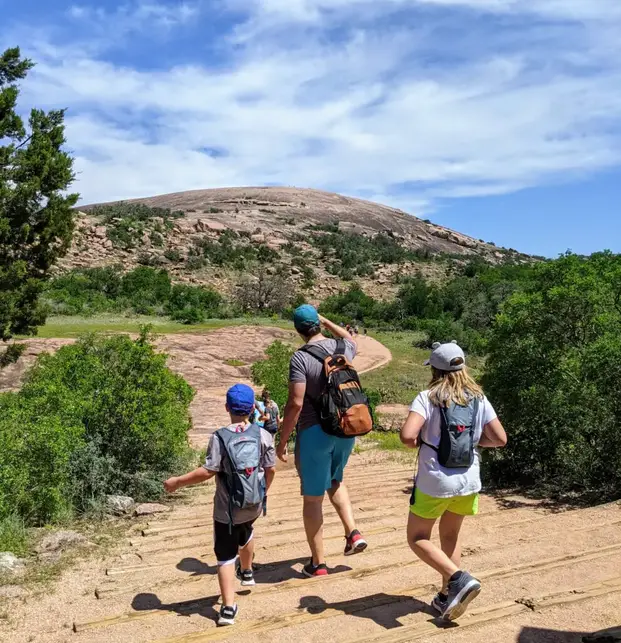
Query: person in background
{"type": "Point", "coordinates": [320, 458]}
{"type": "Point", "coordinates": [447, 423]}
{"type": "Point", "coordinates": [271, 413]}
{"type": "Point", "coordinates": [233, 534]}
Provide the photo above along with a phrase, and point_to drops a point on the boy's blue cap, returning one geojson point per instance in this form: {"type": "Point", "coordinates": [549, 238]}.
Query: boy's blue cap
{"type": "Point", "coordinates": [240, 399]}
{"type": "Point", "coordinates": [305, 317]}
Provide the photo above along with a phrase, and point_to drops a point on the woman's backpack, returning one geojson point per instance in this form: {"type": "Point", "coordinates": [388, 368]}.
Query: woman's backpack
{"type": "Point", "coordinates": [457, 427]}
{"type": "Point", "coordinates": [343, 406]}
{"type": "Point", "coordinates": [271, 424]}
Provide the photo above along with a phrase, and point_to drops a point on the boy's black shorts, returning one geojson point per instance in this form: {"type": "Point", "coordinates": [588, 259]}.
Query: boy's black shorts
{"type": "Point", "coordinates": [226, 545]}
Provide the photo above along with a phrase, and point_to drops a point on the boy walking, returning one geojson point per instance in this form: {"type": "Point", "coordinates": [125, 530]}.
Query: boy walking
{"type": "Point", "coordinates": [239, 456]}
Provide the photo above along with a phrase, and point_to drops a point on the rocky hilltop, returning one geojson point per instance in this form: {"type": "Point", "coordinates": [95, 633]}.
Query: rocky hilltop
{"type": "Point", "coordinates": [292, 229]}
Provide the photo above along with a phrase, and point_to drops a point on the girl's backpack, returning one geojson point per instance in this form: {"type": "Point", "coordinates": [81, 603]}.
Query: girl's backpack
{"type": "Point", "coordinates": [457, 427]}
{"type": "Point", "coordinates": [343, 406]}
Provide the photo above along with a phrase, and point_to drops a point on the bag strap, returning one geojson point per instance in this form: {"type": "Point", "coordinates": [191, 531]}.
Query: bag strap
{"type": "Point", "coordinates": [315, 351]}
{"type": "Point", "coordinates": [226, 478]}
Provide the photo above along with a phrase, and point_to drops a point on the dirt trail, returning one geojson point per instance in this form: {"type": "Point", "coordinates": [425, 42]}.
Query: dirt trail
{"type": "Point", "coordinates": [550, 573]}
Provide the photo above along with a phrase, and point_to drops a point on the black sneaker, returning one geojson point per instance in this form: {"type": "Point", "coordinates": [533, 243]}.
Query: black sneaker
{"type": "Point", "coordinates": [246, 576]}
{"type": "Point", "coordinates": [315, 570]}
{"type": "Point", "coordinates": [227, 615]}
{"type": "Point", "coordinates": [462, 589]}
{"type": "Point", "coordinates": [439, 602]}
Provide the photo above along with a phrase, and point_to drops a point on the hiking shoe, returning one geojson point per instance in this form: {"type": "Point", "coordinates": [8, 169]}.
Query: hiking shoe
{"type": "Point", "coordinates": [355, 543]}
{"type": "Point", "coordinates": [227, 615]}
{"type": "Point", "coordinates": [462, 589]}
{"type": "Point", "coordinates": [440, 602]}
{"type": "Point", "coordinates": [246, 576]}
{"type": "Point", "coordinates": [315, 570]}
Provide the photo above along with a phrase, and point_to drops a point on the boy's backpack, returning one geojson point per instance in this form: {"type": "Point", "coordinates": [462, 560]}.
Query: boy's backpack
{"type": "Point", "coordinates": [457, 426]}
{"type": "Point", "coordinates": [241, 464]}
{"type": "Point", "coordinates": [343, 407]}
{"type": "Point", "coordinates": [271, 424]}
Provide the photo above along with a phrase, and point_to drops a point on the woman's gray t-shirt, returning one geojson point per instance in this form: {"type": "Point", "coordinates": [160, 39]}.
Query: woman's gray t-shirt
{"type": "Point", "coordinates": [308, 369]}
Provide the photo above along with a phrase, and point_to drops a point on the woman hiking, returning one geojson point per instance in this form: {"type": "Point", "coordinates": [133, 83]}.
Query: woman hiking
{"type": "Point", "coordinates": [448, 422]}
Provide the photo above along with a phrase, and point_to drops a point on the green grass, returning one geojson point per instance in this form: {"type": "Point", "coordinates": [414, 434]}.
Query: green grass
{"type": "Point", "coordinates": [234, 362]}
{"type": "Point", "coordinates": [400, 381]}
{"type": "Point", "coordinates": [75, 326]}
{"type": "Point", "coordinates": [14, 536]}
{"type": "Point", "coordinates": [386, 441]}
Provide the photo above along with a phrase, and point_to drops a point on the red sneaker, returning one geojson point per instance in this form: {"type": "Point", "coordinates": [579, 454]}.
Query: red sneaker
{"type": "Point", "coordinates": [315, 570]}
{"type": "Point", "coordinates": [355, 543]}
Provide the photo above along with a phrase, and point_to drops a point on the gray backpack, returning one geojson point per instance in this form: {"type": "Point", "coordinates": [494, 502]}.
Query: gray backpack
{"type": "Point", "coordinates": [271, 424]}
{"type": "Point", "coordinates": [456, 448]}
{"type": "Point", "coordinates": [241, 465]}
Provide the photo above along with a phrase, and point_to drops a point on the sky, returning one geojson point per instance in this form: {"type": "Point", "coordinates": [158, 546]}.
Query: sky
{"type": "Point", "coordinates": [498, 118]}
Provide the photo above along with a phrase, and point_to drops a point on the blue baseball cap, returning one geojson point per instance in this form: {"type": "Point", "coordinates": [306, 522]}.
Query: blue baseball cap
{"type": "Point", "coordinates": [305, 317]}
{"type": "Point", "coordinates": [240, 399]}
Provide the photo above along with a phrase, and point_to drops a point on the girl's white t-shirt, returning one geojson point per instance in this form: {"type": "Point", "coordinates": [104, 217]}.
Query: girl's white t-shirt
{"type": "Point", "coordinates": [432, 478]}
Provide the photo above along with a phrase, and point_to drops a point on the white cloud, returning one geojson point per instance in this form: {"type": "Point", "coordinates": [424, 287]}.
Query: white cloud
{"type": "Point", "coordinates": [371, 112]}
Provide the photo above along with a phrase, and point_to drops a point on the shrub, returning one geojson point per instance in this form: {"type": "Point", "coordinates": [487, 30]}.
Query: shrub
{"type": "Point", "coordinates": [173, 255]}
{"type": "Point", "coordinates": [193, 304]}
{"type": "Point", "coordinates": [145, 289]}
{"type": "Point", "coordinates": [102, 416]}
{"type": "Point", "coordinates": [554, 375]}
{"type": "Point", "coordinates": [273, 372]}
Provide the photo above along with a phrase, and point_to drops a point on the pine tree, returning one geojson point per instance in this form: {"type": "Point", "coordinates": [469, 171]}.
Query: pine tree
{"type": "Point", "coordinates": [36, 217]}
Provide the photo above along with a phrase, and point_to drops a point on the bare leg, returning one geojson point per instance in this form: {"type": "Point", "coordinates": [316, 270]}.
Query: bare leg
{"type": "Point", "coordinates": [313, 525]}
{"type": "Point", "coordinates": [246, 554]}
{"type": "Point", "coordinates": [419, 534]}
{"type": "Point", "coordinates": [450, 526]}
{"type": "Point", "coordinates": [339, 497]}
{"type": "Point", "coordinates": [226, 578]}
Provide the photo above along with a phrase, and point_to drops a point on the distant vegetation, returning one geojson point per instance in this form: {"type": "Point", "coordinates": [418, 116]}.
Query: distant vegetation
{"type": "Point", "coordinates": [144, 291]}
{"type": "Point", "coordinates": [103, 416]}
{"type": "Point", "coordinates": [127, 223]}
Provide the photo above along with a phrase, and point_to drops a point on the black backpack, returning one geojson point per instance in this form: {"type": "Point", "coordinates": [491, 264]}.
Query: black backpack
{"type": "Point", "coordinates": [343, 407]}
{"type": "Point", "coordinates": [456, 448]}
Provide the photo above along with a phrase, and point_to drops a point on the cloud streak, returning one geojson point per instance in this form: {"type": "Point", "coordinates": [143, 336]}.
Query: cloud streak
{"type": "Point", "coordinates": [423, 104]}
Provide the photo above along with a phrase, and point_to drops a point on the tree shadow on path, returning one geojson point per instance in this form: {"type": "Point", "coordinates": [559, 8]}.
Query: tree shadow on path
{"type": "Point", "coordinates": [539, 635]}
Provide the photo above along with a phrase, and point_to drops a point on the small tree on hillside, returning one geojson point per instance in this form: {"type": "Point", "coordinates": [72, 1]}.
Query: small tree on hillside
{"type": "Point", "coordinates": [36, 222]}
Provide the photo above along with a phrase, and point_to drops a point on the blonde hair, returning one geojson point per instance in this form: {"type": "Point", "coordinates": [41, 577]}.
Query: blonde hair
{"type": "Point", "coordinates": [453, 386]}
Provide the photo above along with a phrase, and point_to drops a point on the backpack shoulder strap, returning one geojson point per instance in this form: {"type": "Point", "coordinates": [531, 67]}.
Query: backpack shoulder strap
{"type": "Point", "coordinates": [316, 351]}
{"type": "Point", "coordinates": [340, 346]}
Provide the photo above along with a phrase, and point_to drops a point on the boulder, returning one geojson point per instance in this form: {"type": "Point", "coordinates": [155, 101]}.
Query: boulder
{"type": "Point", "coordinates": [108, 245]}
{"type": "Point", "coordinates": [60, 541]}
{"type": "Point", "coordinates": [119, 505]}
{"type": "Point", "coordinates": [11, 565]}
{"type": "Point", "coordinates": [101, 232]}
{"type": "Point", "coordinates": [149, 509]}
{"type": "Point", "coordinates": [258, 238]}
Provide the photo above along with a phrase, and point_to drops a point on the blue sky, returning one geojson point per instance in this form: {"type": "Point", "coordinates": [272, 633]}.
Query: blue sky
{"type": "Point", "coordinates": [499, 118]}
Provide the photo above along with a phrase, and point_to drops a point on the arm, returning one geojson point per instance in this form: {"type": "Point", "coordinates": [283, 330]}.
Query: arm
{"type": "Point", "coordinates": [194, 477]}
{"type": "Point", "coordinates": [411, 429]}
{"type": "Point", "coordinates": [335, 329]}
{"type": "Point", "coordinates": [494, 435]}
{"type": "Point", "coordinates": [270, 472]}
{"type": "Point", "coordinates": [297, 390]}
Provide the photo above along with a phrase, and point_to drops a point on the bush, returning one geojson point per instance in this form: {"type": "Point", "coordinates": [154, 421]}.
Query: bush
{"type": "Point", "coordinates": [273, 372]}
{"type": "Point", "coordinates": [85, 291]}
{"type": "Point", "coordinates": [446, 330]}
{"type": "Point", "coordinates": [554, 375]}
{"type": "Point", "coordinates": [193, 304]}
{"type": "Point", "coordinates": [102, 416]}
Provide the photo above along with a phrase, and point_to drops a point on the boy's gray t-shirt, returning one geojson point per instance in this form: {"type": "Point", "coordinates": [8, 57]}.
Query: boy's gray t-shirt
{"type": "Point", "coordinates": [306, 368]}
{"type": "Point", "coordinates": [213, 462]}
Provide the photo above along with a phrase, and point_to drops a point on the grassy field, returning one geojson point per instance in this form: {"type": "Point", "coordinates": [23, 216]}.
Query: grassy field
{"type": "Point", "coordinates": [75, 326]}
{"type": "Point", "coordinates": [400, 381]}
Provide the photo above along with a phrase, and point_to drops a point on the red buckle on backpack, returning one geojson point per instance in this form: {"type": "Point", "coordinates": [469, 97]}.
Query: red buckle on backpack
{"type": "Point", "coordinates": [249, 471]}
{"type": "Point", "coordinates": [461, 428]}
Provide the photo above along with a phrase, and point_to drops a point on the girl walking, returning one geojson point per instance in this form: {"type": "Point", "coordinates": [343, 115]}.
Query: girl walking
{"type": "Point", "coordinates": [447, 423]}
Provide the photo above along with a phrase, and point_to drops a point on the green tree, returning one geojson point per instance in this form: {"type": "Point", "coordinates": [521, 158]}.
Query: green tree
{"type": "Point", "coordinates": [36, 221]}
{"type": "Point", "coordinates": [554, 375]}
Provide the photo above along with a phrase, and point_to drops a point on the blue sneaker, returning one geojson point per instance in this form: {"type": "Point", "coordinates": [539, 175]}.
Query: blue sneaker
{"type": "Point", "coordinates": [462, 590]}
{"type": "Point", "coordinates": [439, 602]}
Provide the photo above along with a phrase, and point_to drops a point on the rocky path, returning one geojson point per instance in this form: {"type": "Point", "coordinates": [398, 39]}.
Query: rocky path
{"type": "Point", "coordinates": [550, 574]}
